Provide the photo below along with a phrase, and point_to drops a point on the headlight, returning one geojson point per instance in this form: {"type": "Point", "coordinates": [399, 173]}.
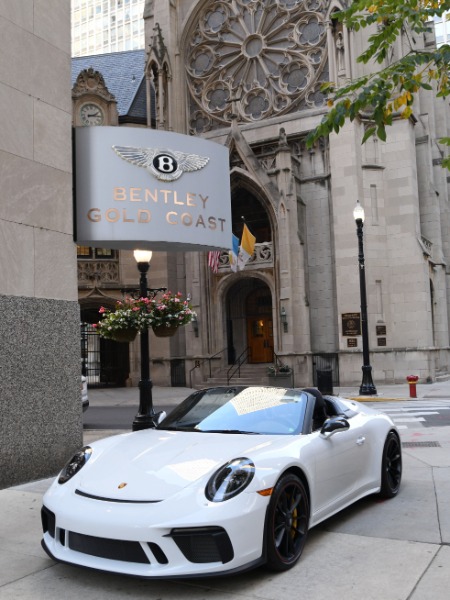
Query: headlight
{"type": "Point", "coordinates": [230, 480]}
{"type": "Point", "coordinates": [77, 461]}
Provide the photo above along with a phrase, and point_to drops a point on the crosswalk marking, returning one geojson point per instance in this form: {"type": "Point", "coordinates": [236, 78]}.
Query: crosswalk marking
{"type": "Point", "coordinates": [406, 414]}
{"type": "Point", "coordinates": [419, 409]}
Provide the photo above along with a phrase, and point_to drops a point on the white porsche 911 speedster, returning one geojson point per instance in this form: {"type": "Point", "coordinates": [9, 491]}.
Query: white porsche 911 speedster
{"type": "Point", "coordinates": [233, 478]}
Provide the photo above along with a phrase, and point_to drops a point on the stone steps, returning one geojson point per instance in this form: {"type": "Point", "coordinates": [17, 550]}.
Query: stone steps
{"type": "Point", "coordinates": [249, 375]}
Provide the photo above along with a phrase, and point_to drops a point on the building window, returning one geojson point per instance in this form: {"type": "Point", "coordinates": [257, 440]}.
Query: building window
{"type": "Point", "coordinates": [85, 252]}
{"type": "Point", "coordinates": [105, 253]}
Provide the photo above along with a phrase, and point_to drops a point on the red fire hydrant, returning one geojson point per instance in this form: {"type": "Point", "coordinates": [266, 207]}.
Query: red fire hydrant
{"type": "Point", "coordinates": [412, 380]}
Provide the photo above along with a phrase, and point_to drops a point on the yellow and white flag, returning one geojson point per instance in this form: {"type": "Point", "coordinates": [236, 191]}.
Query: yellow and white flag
{"type": "Point", "coordinates": [247, 247]}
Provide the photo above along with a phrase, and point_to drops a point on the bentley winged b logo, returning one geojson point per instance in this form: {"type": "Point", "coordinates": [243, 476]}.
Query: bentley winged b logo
{"type": "Point", "coordinates": [165, 165]}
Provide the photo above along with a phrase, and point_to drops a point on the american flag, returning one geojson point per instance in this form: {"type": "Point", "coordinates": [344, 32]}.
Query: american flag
{"type": "Point", "coordinates": [213, 260]}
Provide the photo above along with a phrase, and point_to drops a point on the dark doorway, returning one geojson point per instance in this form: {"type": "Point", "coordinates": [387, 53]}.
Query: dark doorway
{"type": "Point", "coordinates": [103, 362]}
{"type": "Point", "coordinates": [249, 321]}
{"type": "Point", "coordinates": [259, 325]}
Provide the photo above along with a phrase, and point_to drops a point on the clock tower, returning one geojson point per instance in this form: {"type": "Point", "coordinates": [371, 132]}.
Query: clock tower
{"type": "Point", "coordinates": [93, 103]}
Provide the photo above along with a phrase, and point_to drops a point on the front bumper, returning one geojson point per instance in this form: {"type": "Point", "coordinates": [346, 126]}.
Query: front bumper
{"type": "Point", "coordinates": [167, 539]}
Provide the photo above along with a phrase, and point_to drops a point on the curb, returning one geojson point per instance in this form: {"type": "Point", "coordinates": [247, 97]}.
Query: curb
{"type": "Point", "coordinates": [379, 399]}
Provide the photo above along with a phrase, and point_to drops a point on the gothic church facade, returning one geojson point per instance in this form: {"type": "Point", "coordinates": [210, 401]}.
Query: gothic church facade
{"type": "Point", "coordinates": [247, 74]}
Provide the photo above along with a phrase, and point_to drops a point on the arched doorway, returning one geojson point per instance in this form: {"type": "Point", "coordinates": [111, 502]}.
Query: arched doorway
{"type": "Point", "coordinates": [258, 307]}
{"type": "Point", "coordinates": [103, 362]}
{"type": "Point", "coordinates": [249, 321]}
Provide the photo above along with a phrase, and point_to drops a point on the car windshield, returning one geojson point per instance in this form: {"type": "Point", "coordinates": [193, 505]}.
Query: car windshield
{"type": "Point", "coordinates": [251, 410]}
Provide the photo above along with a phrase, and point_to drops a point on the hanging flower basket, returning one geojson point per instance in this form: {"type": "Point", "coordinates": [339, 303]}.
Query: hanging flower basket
{"type": "Point", "coordinates": [132, 316]}
{"type": "Point", "coordinates": [124, 335]}
{"type": "Point", "coordinates": [164, 330]}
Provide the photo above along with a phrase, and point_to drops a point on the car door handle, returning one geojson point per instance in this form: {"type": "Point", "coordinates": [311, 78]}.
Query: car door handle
{"type": "Point", "coordinates": [360, 441]}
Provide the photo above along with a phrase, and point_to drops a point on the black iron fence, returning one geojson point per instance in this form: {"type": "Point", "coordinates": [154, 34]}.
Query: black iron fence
{"type": "Point", "coordinates": [103, 362]}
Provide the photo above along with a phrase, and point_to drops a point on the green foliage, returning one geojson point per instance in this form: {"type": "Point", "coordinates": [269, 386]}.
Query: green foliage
{"type": "Point", "coordinates": [390, 91]}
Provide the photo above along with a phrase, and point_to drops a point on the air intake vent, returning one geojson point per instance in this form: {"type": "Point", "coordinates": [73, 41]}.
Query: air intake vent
{"type": "Point", "coordinates": [204, 544]}
{"type": "Point", "coordinates": [106, 548]}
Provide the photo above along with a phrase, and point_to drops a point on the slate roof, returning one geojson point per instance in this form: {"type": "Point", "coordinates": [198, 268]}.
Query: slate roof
{"type": "Point", "coordinates": [123, 73]}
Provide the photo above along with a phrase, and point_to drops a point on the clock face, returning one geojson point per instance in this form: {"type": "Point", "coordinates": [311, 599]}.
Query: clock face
{"type": "Point", "coordinates": [91, 114]}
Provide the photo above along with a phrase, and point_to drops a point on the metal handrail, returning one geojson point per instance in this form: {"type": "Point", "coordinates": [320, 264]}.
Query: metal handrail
{"type": "Point", "coordinates": [236, 366]}
{"type": "Point", "coordinates": [199, 363]}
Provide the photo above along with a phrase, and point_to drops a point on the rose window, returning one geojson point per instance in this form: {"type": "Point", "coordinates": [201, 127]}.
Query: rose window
{"type": "Point", "coordinates": [255, 59]}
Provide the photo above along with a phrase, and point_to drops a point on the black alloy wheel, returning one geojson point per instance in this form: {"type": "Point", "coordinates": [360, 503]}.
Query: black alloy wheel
{"type": "Point", "coordinates": [287, 523]}
{"type": "Point", "coordinates": [391, 466]}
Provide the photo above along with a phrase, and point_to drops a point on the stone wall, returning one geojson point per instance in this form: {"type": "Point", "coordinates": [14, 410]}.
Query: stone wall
{"type": "Point", "coordinates": [40, 406]}
{"type": "Point", "coordinates": [40, 412]}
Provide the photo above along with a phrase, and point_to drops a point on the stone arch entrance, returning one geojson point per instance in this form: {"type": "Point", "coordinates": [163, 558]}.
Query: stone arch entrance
{"type": "Point", "coordinates": [250, 321]}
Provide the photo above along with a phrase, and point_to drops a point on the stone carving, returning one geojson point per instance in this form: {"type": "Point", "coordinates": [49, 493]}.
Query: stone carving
{"type": "Point", "coordinates": [100, 271]}
{"type": "Point", "coordinates": [271, 56]}
{"type": "Point", "coordinates": [262, 257]}
{"type": "Point", "coordinates": [90, 81]}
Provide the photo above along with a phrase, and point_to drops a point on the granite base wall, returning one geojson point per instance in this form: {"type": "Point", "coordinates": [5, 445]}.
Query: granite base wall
{"type": "Point", "coordinates": [40, 404]}
{"type": "Point", "coordinates": [393, 366]}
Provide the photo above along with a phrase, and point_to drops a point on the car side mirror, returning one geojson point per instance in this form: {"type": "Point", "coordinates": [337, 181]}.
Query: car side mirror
{"type": "Point", "coordinates": [333, 425]}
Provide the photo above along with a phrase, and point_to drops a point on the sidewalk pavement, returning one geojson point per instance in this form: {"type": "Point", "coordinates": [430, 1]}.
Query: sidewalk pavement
{"type": "Point", "coordinates": [172, 396]}
{"type": "Point", "coordinates": [392, 550]}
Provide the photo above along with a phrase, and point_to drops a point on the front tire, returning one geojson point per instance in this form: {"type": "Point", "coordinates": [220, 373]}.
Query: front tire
{"type": "Point", "coordinates": [391, 466]}
{"type": "Point", "coordinates": [287, 523]}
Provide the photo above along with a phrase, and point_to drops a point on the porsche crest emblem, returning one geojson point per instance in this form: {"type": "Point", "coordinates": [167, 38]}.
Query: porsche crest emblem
{"type": "Point", "coordinates": [122, 485]}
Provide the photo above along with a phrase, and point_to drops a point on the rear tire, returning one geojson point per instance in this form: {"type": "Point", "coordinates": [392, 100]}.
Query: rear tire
{"type": "Point", "coordinates": [391, 466]}
{"type": "Point", "coordinates": [287, 523]}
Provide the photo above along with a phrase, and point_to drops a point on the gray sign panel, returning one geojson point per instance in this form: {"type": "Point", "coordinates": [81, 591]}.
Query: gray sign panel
{"type": "Point", "coordinates": [141, 188]}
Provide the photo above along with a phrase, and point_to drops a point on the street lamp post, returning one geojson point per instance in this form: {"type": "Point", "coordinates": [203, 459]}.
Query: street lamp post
{"type": "Point", "coordinates": [367, 387]}
{"type": "Point", "coordinates": [146, 416]}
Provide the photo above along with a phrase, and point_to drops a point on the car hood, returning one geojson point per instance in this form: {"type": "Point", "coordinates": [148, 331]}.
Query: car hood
{"type": "Point", "coordinates": [153, 465]}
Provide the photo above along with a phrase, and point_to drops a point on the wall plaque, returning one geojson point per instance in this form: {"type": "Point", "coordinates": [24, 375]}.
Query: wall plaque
{"type": "Point", "coordinates": [351, 324]}
{"type": "Point", "coordinates": [381, 329]}
{"type": "Point", "coordinates": [381, 341]}
{"type": "Point", "coordinates": [352, 342]}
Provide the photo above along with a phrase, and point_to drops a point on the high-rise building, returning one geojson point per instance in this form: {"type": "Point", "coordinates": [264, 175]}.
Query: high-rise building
{"type": "Point", "coordinates": [101, 26]}
{"type": "Point", "coordinates": [442, 29]}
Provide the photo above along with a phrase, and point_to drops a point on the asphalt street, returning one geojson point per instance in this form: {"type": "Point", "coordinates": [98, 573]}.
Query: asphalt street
{"type": "Point", "coordinates": [121, 417]}
{"type": "Point", "coordinates": [116, 409]}
{"type": "Point", "coordinates": [110, 417]}
{"type": "Point", "coordinates": [396, 549]}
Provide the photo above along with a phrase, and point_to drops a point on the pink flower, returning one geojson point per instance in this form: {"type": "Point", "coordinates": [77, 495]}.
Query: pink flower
{"type": "Point", "coordinates": [102, 309]}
